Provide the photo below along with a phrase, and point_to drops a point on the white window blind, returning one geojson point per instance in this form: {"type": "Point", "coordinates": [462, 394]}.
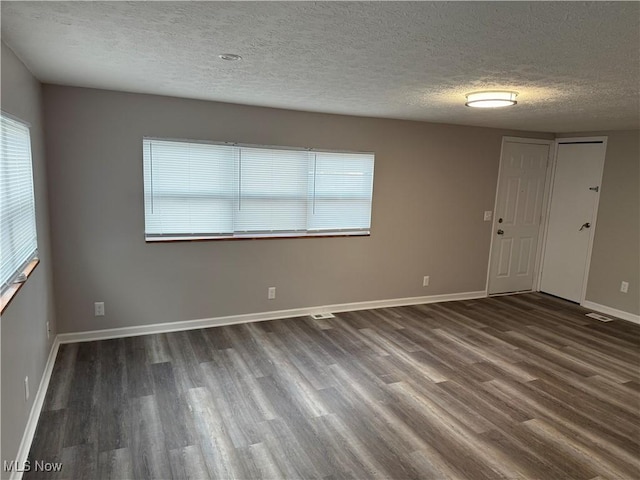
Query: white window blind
{"type": "Point", "coordinates": [217, 190]}
{"type": "Point", "coordinates": [342, 191]}
{"type": "Point", "coordinates": [18, 240]}
{"type": "Point", "coordinates": [188, 188]}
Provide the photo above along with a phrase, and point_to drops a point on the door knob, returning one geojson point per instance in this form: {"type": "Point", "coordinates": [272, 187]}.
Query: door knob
{"type": "Point", "coordinates": [500, 232]}
{"type": "Point", "coordinates": [584, 225]}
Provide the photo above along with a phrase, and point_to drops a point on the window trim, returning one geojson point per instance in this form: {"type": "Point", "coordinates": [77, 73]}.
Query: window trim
{"type": "Point", "coordinates": [257, 145]}
{"type": "Point", "coordinates": [337, 233]}
{"type": "Point", "coordinates": [204, 238]}
{"type": "Point", "coordinates": [13, 289]}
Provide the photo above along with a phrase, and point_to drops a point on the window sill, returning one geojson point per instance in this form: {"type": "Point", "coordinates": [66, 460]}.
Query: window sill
{"type": "Point", "coordinates": [7, 296]}
{"type": "Point", "coordinates": [255, 237]}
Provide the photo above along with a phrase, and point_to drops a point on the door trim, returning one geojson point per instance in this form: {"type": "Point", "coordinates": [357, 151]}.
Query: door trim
{"type": "Point", "coordinates": [538, 141]}
{"type": "Point", "coordinates": [551, 170]}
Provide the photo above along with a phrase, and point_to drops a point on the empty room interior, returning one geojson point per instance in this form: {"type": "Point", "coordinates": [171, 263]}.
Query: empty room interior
{"type": "Point", "coordinates": [332, 240]}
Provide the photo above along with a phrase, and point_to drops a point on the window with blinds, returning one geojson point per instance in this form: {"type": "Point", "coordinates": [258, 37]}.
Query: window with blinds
{"type": "Point", "coordinates": [18, 240]}
{"type": "Point", "coordinates": [210, 190]}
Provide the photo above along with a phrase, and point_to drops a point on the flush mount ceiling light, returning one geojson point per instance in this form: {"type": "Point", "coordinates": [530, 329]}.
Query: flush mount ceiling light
{"type": "Point", "coordinates": [230, 57]}
{"type": "Point", "coordinates": [491, 99]}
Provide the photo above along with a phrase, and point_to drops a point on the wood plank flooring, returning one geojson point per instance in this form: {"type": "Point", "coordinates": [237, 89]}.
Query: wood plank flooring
{"type": "Point", "coordinates": [510, 387]}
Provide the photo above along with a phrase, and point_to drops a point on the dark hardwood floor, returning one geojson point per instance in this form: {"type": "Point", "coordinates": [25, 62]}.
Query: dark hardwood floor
{"type": "Point", "coordinates": [510, 387]}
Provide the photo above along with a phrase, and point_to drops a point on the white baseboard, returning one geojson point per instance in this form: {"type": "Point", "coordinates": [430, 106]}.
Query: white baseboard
{"type": "Point", "coordinates": [258, 317]}
{"type": "Point", "coordinates": [34, 414]}
{"type": "Point", "coordinates": [630, 317]}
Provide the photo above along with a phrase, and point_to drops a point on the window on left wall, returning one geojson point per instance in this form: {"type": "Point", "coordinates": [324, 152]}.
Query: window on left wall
{"type": "Point", "coordinates": [18, 238]}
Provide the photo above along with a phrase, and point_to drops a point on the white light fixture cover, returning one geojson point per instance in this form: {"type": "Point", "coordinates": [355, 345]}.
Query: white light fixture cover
{"type": "Point", "coordinates": [491, 99]}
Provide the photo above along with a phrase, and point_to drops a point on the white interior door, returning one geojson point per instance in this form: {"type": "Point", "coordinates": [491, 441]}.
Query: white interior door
{"type": "Point", "coordinates": [516, 225]}
{"type": "Point", "coordinates": [572, 216]}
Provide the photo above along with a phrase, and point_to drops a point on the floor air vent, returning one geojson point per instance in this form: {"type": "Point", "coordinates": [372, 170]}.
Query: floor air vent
{"type": "Point", "coordinates": [322, 316]}
{"type": "Point", "coordinates": [597, 316]}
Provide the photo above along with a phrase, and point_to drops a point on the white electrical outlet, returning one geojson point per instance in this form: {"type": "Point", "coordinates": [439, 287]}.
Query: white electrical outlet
{"type": "Point", "coordinates": [48, 331]}
{"type": "Point", "coordinates": [26, 389]}
{"type": "Point", "coordinates": [624, 287]}
{"type": "Point", "coordinates": [425, 281]}
{"type": "Point", "coordinates": [487, 215]}
{"type": "Point", "coordinates": [271, 293]}
{"type": "Point", "coordinates": [98, 308]}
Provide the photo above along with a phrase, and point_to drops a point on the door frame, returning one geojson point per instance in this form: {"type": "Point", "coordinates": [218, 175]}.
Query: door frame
{"type": "Point", "coordinates": [538, 260]}
{"type": "Point", "coordinates": [551, 171]}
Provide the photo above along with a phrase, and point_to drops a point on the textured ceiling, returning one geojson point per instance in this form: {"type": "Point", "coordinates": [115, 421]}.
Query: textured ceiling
{"type": "Point", "coordinates": [576, 65]}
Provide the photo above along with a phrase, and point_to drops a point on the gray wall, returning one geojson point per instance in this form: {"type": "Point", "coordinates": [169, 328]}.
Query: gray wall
{"type": "Point", "coordinates": [24, 338]}
{"type": "Point", "coordinates": [432, 184]}
{"type": "Point", "coordinates": [616, 244]}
